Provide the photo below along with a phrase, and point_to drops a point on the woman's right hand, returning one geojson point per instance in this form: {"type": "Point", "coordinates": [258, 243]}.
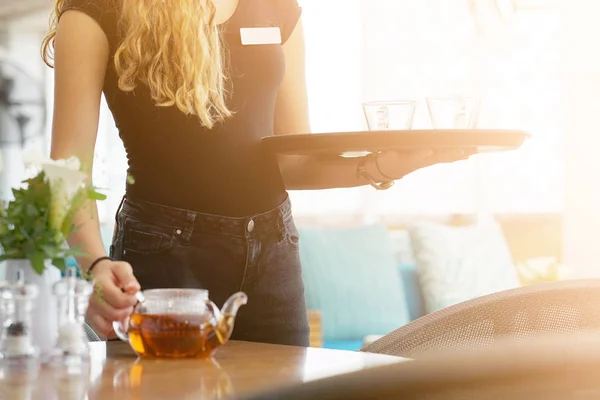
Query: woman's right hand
{"type": "Point", "coordinates": [114, 296]}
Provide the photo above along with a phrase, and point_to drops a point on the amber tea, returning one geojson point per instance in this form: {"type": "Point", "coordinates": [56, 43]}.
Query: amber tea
{"type": "Point", "coordinates": [178, 323]}
{"type": "Point", "coordinates": [177, 335]}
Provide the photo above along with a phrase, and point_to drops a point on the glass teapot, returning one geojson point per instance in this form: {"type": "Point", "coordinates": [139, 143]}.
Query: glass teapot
{"type": "Point", "coordinates": [178, 323]}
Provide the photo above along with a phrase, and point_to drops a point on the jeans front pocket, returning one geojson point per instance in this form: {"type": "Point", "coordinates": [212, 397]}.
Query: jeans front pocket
{"type": "Point", "coordinates": [147, 247]}
{"type": "Point", "coordinates": [144, 237]}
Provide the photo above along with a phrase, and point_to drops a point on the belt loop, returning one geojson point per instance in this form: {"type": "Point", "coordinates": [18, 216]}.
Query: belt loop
{"type": "Point", "coordinates": [116, 226]}
{"type": "Point", "coordinates": [286, 209]}
{"type": "Point", "coordinates": [281, 223]}
{"type": "Point", "coordinates": [189, 226]}
{"type": "Point", "coordinates": [119, 209]}
{"type": "Point", "coordinates": [115, 238]}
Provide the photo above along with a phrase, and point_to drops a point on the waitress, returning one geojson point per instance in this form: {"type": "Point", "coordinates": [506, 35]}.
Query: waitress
{"type": "Point", "coordinates": [192, 94]}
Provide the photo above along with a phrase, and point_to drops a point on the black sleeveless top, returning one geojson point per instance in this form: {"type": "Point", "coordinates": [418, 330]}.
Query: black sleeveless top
{"type": "Point", "coordinates": [177, 162]}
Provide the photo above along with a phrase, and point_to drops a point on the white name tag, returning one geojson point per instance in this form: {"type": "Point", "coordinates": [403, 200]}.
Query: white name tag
{"type": "Point", "coordinates": [254, 36]}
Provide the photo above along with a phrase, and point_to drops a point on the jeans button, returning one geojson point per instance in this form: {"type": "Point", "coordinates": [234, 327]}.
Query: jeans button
{"type": "Point", "coordinates": [250, 226]}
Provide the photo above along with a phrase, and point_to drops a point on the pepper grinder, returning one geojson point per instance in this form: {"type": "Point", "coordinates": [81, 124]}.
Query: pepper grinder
{"type": "Point", "coordinates": [17, 301]}
{"type": "Point", "coordinates": [72, 296]}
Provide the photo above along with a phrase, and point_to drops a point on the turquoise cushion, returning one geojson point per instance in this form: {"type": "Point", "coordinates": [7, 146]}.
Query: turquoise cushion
{"type": "Point", "coordinates": [351, 276]}
{"type": "Point", "coordinates": [414, 297]}
{"type": "Point", "coordinates": [349, 345]}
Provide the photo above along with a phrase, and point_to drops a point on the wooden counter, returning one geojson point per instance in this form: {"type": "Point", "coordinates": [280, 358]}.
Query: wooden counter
{"type": "Point", "coordinates": [238, 370]}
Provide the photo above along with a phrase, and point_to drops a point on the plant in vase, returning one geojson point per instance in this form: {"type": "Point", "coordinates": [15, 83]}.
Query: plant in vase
{"type": "Point", "coordinates": [34, 227]}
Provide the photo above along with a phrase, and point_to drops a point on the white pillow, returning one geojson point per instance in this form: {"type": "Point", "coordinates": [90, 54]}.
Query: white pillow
{"type": "Point", "coordinates": [456, 264]}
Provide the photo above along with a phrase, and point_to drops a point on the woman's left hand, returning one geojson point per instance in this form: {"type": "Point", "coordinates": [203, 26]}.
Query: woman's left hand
{"type": "Point", "coordinates": [393, 165]}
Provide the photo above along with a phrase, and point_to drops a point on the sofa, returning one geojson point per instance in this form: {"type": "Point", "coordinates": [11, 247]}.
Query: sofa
{"type": "Point", "coordinates": [365, 280]}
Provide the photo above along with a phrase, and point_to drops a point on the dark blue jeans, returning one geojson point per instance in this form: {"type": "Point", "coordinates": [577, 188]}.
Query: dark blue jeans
{"type": "Point", "coordinates": [175, 248]}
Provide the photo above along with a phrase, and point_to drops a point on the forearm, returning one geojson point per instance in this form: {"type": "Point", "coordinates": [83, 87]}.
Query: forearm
{"type": "Point", "coordinates": [316, 173]}
{"type": "Point", "coordinates": [87, 235]}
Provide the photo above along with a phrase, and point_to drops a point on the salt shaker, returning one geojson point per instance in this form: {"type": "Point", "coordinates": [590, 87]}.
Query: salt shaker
{"type": "Point", "coordinates": [72, 296]}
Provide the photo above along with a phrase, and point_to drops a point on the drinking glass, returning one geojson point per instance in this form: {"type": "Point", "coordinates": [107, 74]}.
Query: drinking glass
{"type": "Point", "coordinates": [453, 112]}
{"type": "Point", "coordinates": [389, 115]}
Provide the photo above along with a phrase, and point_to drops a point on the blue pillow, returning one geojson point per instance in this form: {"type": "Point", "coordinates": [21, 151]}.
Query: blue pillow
{"type": "Point", "coordinates": [414, 297]}
{"type": "Point", "coordinates": [351, 276]}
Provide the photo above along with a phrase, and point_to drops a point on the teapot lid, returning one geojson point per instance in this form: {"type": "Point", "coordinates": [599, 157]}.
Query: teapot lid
{"type": "Point", "coordinates": [180, 293]}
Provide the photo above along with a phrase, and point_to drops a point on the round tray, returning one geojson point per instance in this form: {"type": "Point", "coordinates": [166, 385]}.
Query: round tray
{"type": "Point", "coordinates": [357, 143]}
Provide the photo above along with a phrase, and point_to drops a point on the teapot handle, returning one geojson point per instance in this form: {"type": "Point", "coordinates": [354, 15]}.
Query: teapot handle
{"type": "Point", "coordinates": [215, 311]}
{"type": "Point", "coordinates": [122, 328]}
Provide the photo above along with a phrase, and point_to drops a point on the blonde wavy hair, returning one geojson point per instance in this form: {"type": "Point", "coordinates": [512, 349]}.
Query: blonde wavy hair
{"type": "Point", "coordinates": [176, 51]}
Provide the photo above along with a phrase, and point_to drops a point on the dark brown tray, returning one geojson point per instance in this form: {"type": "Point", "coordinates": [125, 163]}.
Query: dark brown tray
{"type": "Point", "coordinates": [372, 141]}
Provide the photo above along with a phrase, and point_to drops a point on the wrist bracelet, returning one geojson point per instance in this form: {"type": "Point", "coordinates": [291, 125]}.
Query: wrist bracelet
{"type": "Point", "coordinates": [96, 262]}
{"type": "Point", "coordinates": [379, 169]}
{"type": "Point", "coordinates": [361, 172]}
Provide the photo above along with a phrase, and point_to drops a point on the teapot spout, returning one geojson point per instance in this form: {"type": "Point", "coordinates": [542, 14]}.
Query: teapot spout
{"type": "Point", "coordinates": [228, 314]}
{"type": "Point", "coordinates": [233, 304]}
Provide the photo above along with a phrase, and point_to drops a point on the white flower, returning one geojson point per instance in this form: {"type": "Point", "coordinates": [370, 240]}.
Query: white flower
{"type": "Point", "coordinates": [65, 179]}
{"type": "Point", "coordinates": [33, 160]}
{"type": "Point", "coordinates": [68, 178]}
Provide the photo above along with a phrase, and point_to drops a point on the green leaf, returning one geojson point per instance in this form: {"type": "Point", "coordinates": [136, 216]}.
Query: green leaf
{"type": "Point", "coordinates": [94, 195]}
{"type": "Point", "coordinates": [31, 210]}
{"type": "Point", "coordinates": [50, 251]}
{"type": "Point", "coordinates": [25, 229]}
{"type": "Point", "coordinates": [60, 263]}
{"type": "Point", "coordinates": [37, 262]}
{"type": "Point", "coordinates": [75, 253]}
